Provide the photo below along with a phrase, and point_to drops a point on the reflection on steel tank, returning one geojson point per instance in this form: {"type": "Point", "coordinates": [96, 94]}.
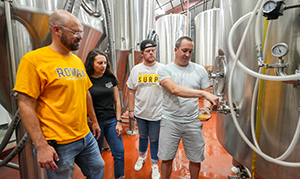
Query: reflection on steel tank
{"type": "Point", "coordinates": [206, 37]}
{"type": "Point", "coordinates": [133, 21]}
{"type": "Point", "coordinates": [169, 28]}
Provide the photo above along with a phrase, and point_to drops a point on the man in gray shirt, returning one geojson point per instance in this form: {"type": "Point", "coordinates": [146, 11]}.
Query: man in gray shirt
{"type": "Point", "coordinates": [183, 83]}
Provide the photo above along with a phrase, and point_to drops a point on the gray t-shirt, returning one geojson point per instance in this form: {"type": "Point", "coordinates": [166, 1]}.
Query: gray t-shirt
{"type": "Point", "coordinates": [177, 108]}
{"type": "Point", "coordinates": [148, 92]}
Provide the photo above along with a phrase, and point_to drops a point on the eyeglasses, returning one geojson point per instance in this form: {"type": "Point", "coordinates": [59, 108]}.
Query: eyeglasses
{"type": "Point", "coordinates": [77, 33]}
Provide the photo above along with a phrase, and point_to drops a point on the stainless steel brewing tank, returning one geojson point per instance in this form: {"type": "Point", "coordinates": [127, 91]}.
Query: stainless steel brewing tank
{"type": "Point", "coordinates": [30, 31]}
{"type": "Point", "coordinates": [230, 12]}
{"type": "Point", "coordinates": [169, 28]}
{"type": "Point", "coordinates": [133, 20]}
{"type": "Point", "coordinates": [206, 37]}
{"type": "Point", "coordinates": [279, 101]}
{"type": "Point", "coordinates": [29, 21]}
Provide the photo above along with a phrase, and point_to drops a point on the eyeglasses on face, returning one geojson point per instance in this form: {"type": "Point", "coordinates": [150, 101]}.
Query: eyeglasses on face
{"type": "Point", "coordinates": [77, 33]}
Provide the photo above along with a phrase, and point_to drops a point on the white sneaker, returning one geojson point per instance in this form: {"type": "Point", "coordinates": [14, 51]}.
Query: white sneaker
{"type": "Point", "coordinates": [235, 170]}
{"type": "Point", "coordinates": [155, 172]}
{"type": "Point", "coordinates": [139, 163]}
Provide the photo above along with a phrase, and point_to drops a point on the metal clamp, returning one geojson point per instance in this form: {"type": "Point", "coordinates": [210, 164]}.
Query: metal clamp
{"type": "Point", "coordinates": [225, 108]}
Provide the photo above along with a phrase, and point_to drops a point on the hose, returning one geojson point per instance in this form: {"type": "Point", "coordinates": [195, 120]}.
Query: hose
{"type": "Point", "coordinates": [297, 132]}
{"type": "Point", "coordinates": [296, 135]}
{"type": "Point", "coordinates": [266, 157]}
{"type": "Point", "coordinates": [10, 131]}
{"type": "Point", "coordinates": [258, 36]}
{"type": "Point", "coordinates": [247, 70]}
{"type": "Point", "coordinates": [6, 138]}
{"type": "Point", "coordinates": [16, 150]}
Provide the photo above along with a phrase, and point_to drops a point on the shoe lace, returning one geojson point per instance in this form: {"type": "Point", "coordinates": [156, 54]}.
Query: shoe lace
{"type": "Point", "coordinates": [140, 161]}
{"type": "Point", "coordinates": [155, 168]}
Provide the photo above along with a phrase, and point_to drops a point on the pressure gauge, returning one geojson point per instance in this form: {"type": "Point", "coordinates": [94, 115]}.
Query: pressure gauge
{"type": "Point", "coordinates": [279, 50]}
{"type": "Point", "coordinates": [269, 6]}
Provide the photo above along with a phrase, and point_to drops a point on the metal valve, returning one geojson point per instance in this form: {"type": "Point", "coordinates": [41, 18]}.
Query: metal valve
{"type": "Point", "coordinates": [215, 75]}
{"type": "Point", "coordinates": [279, 64]}
{"type": "Point", "coordinates": [225, 108]}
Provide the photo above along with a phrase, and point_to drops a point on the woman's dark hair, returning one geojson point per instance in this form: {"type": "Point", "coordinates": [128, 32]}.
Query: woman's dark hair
{"type": "Point", "coordinates": [89, 63]}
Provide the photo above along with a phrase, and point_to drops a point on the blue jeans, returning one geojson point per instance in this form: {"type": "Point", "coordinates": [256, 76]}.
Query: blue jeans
{"type": "Point", "coordinates": [148, 129]}
{"type": "Point", "coordinates": [86, 155]}
{"type": "Point", "coordinates": [108, 129]}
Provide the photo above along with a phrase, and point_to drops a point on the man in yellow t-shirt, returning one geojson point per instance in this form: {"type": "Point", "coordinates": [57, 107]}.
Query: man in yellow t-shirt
{"type": "Point", "coordinates": [54, 100]}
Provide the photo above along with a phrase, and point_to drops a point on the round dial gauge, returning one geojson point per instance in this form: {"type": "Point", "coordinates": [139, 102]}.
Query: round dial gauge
{"type": "Point", "coordinates": [269, 6]}
{"type": "Point", "coordinates": [279, 50]}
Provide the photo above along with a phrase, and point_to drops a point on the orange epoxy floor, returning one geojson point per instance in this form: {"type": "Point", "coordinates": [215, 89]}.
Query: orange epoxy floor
{"type": "Point", "coordinates": [217, 163]}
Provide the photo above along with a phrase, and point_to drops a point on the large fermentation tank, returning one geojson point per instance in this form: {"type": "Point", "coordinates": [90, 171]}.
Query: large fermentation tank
{"type": "Point", "coordinates": [169, 28]}
{"type": "Point", "coordinates": [277, 102]}
{"type": "Point", "coordinates": [206, 37]}
{"type": "Point", "coordinates": [133, 20]}
{"type": "Point", "coordinates": [29, 31]}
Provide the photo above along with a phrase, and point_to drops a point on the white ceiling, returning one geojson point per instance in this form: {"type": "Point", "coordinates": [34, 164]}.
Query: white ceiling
{"type": "Point", "coordinates": [169, 5]}
{"type": "Point", "coordinates": [166, 5]}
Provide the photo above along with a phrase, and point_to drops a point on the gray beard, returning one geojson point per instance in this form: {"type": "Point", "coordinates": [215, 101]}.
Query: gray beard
{"type": "Point", "coordinates": [71, 46]}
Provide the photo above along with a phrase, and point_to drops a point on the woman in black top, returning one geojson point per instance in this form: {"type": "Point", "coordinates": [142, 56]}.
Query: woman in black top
{"type": "Point", "coordinates": [106, 101]}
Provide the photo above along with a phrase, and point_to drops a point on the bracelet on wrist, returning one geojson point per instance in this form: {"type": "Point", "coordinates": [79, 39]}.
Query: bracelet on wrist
{"type": "Point", "coordinates": [118, 120]}
{"type": "Point", "coordinates": [130, 110]}
{"type": "Point", "coordinates": [208, 108]}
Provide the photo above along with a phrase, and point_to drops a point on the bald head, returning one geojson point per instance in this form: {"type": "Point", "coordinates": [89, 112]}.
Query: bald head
{"type": "Point", "coordinates": [62, 17]}
{"type": "Point", "coordinates": [66, 31]}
